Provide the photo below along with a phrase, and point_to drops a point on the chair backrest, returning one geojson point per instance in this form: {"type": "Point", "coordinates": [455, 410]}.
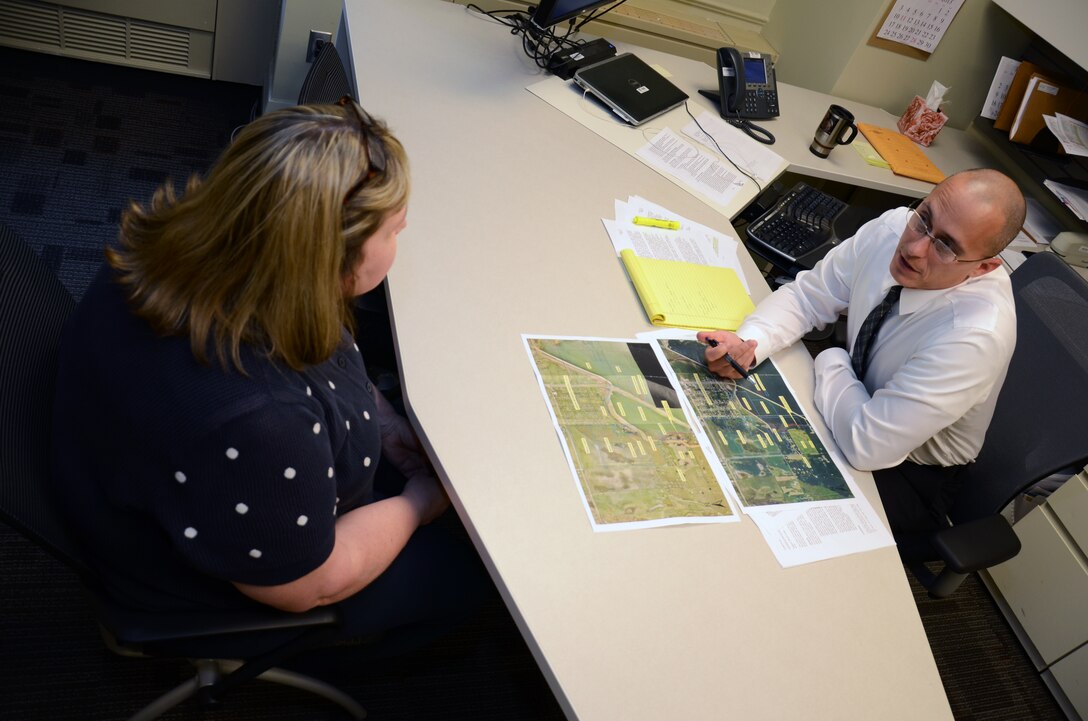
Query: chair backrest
{"type": "Point", "coordinates": [1038, 424]}
{"type": "Point", "coordinates": [327, 81]}
{"type": "Point", "coordinates": [33, 308]}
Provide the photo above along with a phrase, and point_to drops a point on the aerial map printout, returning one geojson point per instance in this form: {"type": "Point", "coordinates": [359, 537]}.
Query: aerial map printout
{"type": "Point", "coordinates": [627, 439]}
{"type": "Point", "coordinates": [769, 450]}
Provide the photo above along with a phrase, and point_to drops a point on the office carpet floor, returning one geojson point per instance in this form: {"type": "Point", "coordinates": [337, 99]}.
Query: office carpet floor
{"type": "Point", "coordinates": [78, 141]}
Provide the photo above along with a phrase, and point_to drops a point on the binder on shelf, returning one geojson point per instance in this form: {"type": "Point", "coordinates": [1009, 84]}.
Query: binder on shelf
{"type": "Point", "coordinates": [1015, 95]}
{"type": "Point", "coordinates": [1044, 97]}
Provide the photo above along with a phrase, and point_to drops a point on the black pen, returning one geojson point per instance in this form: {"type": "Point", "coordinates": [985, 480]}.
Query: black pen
{"type": "Point", "coordinates": [728, 359]}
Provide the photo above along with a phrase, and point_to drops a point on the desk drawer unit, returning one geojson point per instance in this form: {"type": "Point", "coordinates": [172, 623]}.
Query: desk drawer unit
{"type": "Point", "coordinates": [1071, 673]}
{"type": "Point", "coordinates": [1045, 588]}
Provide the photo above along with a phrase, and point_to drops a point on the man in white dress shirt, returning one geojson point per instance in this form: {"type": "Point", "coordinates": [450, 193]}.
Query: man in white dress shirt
{"type": "Point", "coordinates": [912, 403]}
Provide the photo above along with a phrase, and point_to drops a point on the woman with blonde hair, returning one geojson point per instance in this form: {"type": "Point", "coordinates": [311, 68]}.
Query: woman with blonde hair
{"type": "Point", "coordinates": [217, 441]}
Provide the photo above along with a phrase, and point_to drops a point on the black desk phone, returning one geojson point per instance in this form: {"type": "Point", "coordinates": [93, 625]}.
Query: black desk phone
{"type": "Point", "coordinates": [746, 85]}
{"type": "Point", "coordinates": [747, 90]}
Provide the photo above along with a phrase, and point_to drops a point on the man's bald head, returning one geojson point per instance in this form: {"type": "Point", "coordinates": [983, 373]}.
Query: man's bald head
{"type": "Point", "coordinates": [990, 192]}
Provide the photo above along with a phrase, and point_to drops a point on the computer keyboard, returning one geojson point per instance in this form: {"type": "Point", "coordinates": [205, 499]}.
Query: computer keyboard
{"type": "Point", "coordinates": [799, 229]}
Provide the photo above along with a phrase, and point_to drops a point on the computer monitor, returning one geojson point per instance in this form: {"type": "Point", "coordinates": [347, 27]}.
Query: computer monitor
{"type": "Point", "coordinates": [551, 12]}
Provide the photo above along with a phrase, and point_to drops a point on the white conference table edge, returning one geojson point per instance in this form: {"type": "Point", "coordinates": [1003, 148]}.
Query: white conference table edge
{"type": "Point", "coordinates": [875, 574]}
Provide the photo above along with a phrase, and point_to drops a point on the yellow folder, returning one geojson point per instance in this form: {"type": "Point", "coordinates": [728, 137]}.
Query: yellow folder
{"type": "Point", "coordinates": [902, 154]}
{"type": "Point", "coordinates": [688, 295]}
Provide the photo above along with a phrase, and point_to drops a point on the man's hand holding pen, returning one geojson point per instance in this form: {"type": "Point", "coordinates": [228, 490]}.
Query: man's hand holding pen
{"type": "Point", "coordinates": [727, 354]}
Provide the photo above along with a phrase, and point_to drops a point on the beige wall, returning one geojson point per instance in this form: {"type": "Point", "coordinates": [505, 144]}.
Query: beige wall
{"type": "Point", "coordinates": [823, 46]}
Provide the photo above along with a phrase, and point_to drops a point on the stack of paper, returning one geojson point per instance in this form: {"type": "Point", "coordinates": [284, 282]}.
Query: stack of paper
{"type": "Point", "coordinates": [1076, 199]}
{"type": "Point", "coordinates": [688, 276]}
{"type": "Point", "coordinates": [1071, 133]}
{"type": "Point", "coordinates": [692, 242]}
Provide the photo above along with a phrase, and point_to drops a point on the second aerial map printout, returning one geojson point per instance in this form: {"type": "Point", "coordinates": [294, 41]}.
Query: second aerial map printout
{"type": "Point", "coordinates": [768, 448]}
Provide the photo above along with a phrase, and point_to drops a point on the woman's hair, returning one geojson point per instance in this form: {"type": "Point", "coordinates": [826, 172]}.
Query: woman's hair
{"type": "Point", "coordinates": [262, 250]}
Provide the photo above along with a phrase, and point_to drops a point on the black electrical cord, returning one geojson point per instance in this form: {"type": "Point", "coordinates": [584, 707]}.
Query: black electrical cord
{"type": "Point", "coordinates": [539, 43]}
{"type": "Point", "coordinates": [724, 155]}
{"type": "Point", "coordinates": [755, 132]}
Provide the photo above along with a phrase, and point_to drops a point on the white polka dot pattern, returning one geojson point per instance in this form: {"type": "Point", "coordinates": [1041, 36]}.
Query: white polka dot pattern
{"type": "Point", "coordinates": [330, 472]}
{"type": "Point", "coordinates": [302, 520]}
{"type": "Point", "coordinates": [366, 462]}
{"type": "Point", "coordinates": [288, 472]}
{"type": "Point", "coordinates": [255, 553]}
{"type": "Point", "coordinates": [308, 391]}
{"type": "Point", "coordinates": [190, 532]}
{"type": "Point", "coordinates": [232, 453]}
{"type": "Point", "coordinates": [180, 477]}
{"type": "Point", "coordinates": [348, 424]}
{"type": "Point", "coordinates": [366, 415]}
{"type": "Point", "coordinates": [317, 428]}
{"type": "Point", "coordinates": [241, 508]}
{"type": "Point", "coordinates": [332, 385]}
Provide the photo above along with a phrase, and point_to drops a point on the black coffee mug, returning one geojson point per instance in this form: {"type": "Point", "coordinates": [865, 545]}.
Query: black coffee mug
{"type": "Point", "coordinates": [837, 120]}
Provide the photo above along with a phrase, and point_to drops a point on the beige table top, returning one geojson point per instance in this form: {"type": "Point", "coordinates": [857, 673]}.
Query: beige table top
{"type": "Point", "coordinates": [504, 238]}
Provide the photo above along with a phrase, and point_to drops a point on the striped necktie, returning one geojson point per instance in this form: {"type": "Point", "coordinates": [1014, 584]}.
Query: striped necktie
{"type": "Point", "coordinates": [864, 343]}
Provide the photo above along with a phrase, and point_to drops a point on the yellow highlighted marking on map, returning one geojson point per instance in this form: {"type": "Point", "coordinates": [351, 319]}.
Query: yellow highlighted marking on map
{"type": "Point", "coordinates": [631, 447]}
{"type": "Point", "coordinates": [573, 400]}
{"type": "Point", "coordinates": [635, 385]}
{"type": "Point", "coordinates": [699, 382]}
{"type": "Point", "coordinates": [722, 436]}
{"type": "Point", "coordinates": [619, 407]}
{"type": "Point", "coordinates": [680, 473]}
{"type": "Point", "coordinates": [758, 382]}
{"type": "Point", "coordinates": [589, 366]}
{"type": "Point", "coordinates": [585, 445]}
{"type": "Point", "coordinates": [668, 411]}
{"type": "Point", "coordinates": [732, 406]}
{"type": "Point", "coordinates": [641, 448]}
{"type": "Point", "coordinates": [641, 413]}
{"type": "Point", "coordinates": [746, 403]}
{"type": "Point", "coordinates": [608, 445]}
{"type": "Point", "coordinates": [661, 428]}
{"type": "Point", "coordinates": [768, 439]}
{"type": "Point", "coordinates": [766, 410]}
{"type": "Point", "coordinates": [786, 405]}
{"type": "Point", "coordinates": [740, 436]}
{"type": "Point", "coordinates": [761, 441]}
{"type": "Point", "coordinates": [604, 411]}
{"type": "Point", "coordinates": [653, 446]}
{"type": "Point", "coordinates": [804, 460]}
{"type": "Point", "coordinates": [775, 432]}
{"type": "Point", "coordinates": [619, 370]}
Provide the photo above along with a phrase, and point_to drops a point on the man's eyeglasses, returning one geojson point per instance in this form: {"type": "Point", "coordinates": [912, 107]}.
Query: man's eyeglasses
{"type": "Point", "coordinates": [945, 254]}
{"type": "Point", "coordinates": [375, 151]}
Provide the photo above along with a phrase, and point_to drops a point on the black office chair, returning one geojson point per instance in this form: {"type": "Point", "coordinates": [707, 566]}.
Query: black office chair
{"type": "Point", "coordinates": [33, 308]}
{"type": "Point", "coordinates": [1036, 431]}
{"type": "Point", "coordinates": [327, 81]}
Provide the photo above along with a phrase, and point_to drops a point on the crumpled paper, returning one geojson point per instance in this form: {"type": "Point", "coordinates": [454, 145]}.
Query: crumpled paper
{"type": "Point", "coordinates": [923, 119]}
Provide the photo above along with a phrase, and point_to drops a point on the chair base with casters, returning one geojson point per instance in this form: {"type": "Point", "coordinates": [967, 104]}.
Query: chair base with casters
{"type": "Point", "coordinates": [138, 634]}
{"type": "Point", "coordinates": [33, 309]}
{"type": "Point", "coordinates": [1036, 431]}
{"type": "Point", "coordinates": [210, 674]}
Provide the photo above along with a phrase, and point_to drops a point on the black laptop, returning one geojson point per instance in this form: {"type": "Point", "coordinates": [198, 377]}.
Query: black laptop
{"type": "Point", "coordinates": [631, 88]}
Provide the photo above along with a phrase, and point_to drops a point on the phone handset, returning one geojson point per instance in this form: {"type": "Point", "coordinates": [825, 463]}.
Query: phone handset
{"type": "Point", "coordinates": [747, 90]}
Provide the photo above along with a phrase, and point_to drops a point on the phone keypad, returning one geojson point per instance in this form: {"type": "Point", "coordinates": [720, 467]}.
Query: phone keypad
{"type": "Point", "coordinates": [760, 103]}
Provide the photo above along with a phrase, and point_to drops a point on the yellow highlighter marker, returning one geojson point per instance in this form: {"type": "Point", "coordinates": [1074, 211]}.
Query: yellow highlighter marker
{"type": "Point", "coordinates": [655, 223]}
